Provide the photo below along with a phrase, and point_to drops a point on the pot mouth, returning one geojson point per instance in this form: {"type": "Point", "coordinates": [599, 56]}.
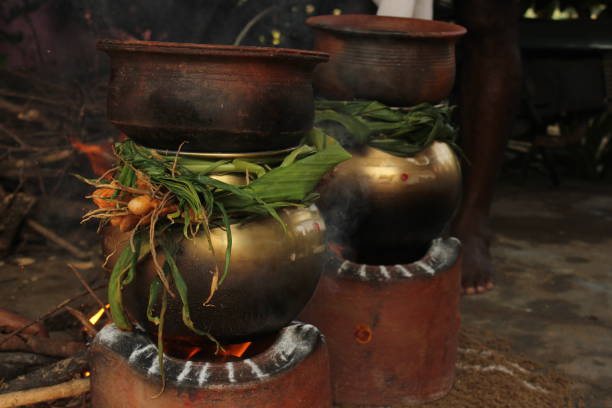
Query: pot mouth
{"type": "Point", "coordinates": [441, 255]}
{"type": "Point", "coordinates": [383, 26]}
{"type": "Point", "coordinates": [293, 344]}
{"type": "Point", "coordinates": [158, 47]}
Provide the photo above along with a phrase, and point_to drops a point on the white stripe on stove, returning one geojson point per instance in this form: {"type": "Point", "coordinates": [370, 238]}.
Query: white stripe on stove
{"type": "Point", "coordinates": [230, 372]}
{"type": "Point", "coordinates": [405, 272]}
{"type": "Point", "coordinates": [384, 272]}
{"type": "Point", "coordinates": [362, 271]}
{"type": "Point", "coordinates": [138, 352]}
{"type": "Point", "coordinates": [343, 267]}
{"type": "Point", "coordinates": [154, 369]}
{"type": "Point", "coordinates": [203, 376]}
{"type": "Point", "coordinates": [428, 269]}
{"type": "Point", "coordinates": [185, 371]}
{"type": "Point", "coordinates": [255, 369]}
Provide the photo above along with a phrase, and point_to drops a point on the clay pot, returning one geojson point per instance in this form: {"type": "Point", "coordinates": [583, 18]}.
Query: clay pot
{"type": "Point", "coordinates": [397, 61]}
{"type": "Point", "coordinates": [385, 208]}
{"type": "Point", "coordinates": [273, 274]}
{"type": "Point", "coordinates": [217, 98]}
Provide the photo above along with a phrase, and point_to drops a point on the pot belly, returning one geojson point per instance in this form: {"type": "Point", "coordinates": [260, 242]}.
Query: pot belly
{"type": "Point", "coordinates": [379, 205]}
{"type": "Point", "coordinates": [272, 275]}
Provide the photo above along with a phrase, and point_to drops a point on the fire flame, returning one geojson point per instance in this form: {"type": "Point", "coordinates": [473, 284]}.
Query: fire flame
{"type": "Point", "coordinates": [236, 350]}
{"type": "Point", "coordinates": [94, 318]}
{"type": "Point", "coordinates": [100, 156]}
{"type": "Point", "coordinates": [229, 350]}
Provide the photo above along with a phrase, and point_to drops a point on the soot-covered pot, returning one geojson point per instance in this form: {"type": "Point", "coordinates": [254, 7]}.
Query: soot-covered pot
{"type": "Point", "coordinates": [218, 98]}
{"type": "Point", "coordinates": [273, 273]}
{"type": "Point", "coordinates": [385, 209]}
{"type": "Point", "coordinates": [394, 60]}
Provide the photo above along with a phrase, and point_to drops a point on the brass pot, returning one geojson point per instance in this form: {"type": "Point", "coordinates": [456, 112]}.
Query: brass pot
{"type": "Point", "coordinates": [386, 209]}
{"type": "Point", "coordinates": [272, 275]}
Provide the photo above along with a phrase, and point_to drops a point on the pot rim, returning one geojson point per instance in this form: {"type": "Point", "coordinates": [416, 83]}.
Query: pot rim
{"type": "Point", "coordinates": [159, 47]}
{"type": "Point", "coordinates": [352, 24]}
{"type": "Point", "coordinates": [223, 155]}
{"type": "Point", "coordinates": [441, 255]}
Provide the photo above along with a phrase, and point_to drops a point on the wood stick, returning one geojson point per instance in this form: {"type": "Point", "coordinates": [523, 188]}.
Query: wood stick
{"type": "Point", "coordinates": [13, 136]}
{"type": "Point", "coordinates": [11, 321]}
{"type": "Point", "coordinates": [17, 110]}
{"type": "Point", "coordinates": [36, 395]}
{"type": "Point", "coordinates": [89, 289]}
{"type": "Point", "coordinates": [13, 209]}
{"type": "Point", "coordinates": [51, 374]}
{"type": "Point", "coordinates": [48, 314]}
{"type": "Point", "coordinates": [16, 363]}
{"type": "Point", "coordinates": [52, 236]}
{"type": "Point", "coordinates": [41, 345]}
{"type": "Point", "coordinates": [36, 98]}
{"type": "Point", "coordinates": [91, 330]}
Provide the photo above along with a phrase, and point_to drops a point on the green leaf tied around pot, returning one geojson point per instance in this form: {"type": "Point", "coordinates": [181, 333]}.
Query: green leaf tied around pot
{"type": "Point", "coordinates": [397, 131]}
{"type": "Point", "coordinates": [186, 197]}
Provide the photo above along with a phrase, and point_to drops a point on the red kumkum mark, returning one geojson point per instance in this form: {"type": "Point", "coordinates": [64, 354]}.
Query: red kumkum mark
{"type": "Point", "coordinates": [317, 227]}
{"type": "Point", "coordinates": [404, 177]}
{"type": "Point", "coordinates": [363, 334]}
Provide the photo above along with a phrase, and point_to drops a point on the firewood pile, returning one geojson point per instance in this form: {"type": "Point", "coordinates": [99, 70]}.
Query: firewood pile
{"type": "Point", "coordinates": [48, 131]}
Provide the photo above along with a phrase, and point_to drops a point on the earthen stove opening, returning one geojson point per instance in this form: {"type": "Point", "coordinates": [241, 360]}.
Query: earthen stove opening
{"type": "Point", "coordinates": [291, 370]}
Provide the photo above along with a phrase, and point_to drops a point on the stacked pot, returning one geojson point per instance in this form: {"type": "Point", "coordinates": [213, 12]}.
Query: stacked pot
{"type": "Point", "coordinates": [388, 299]}
{"type": "Point", "coordinates": [222, 102]}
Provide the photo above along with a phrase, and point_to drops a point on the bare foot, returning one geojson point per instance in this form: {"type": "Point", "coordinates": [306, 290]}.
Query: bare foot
{"type": "Point", "coordinates": [477, 266]}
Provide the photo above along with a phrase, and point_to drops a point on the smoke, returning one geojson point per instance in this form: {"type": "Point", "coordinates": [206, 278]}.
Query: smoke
{"type": "Point", "coordinates": [343, 202]}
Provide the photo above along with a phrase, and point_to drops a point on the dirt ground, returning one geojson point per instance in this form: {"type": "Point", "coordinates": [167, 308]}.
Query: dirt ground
{"type": "Point", "coordinates": [554, 281]}
{"type": "Point", "coordinates": [551, 303]}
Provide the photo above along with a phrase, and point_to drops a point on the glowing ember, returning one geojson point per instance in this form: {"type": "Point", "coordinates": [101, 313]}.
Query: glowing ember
{"type": "Point", "coordinates": [94, 319]}
{"type": "Point", "coordinates": [193, 352]}
{"type": "Point", "coordinates": [207, 352]}
{"type": "Point", "coordinates": [236, 350]}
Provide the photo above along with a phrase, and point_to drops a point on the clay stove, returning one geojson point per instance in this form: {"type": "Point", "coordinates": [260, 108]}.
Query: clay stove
{"type": "Point", "coordinates": [291, 372]}
{"type": "Point", "coordinates": [392, 330]}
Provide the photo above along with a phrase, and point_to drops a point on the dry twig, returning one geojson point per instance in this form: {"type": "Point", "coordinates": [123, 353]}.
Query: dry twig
{"type": "Point", "coordinates": [57, 308]}
{"type": "Point", "coordinates": [89, 289]}
{"type": "Point", "coordinates": [52, 236]}
{"type": "Point", "coordinates": [83, 320]}
{"type": "Point", "coordinates": [55, 392]}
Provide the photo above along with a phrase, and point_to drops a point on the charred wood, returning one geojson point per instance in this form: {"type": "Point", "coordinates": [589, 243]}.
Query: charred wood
{"type": "Point", "coordinates": [58, 372]}
{"type": "Point", "coordinates": [13, 364]}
